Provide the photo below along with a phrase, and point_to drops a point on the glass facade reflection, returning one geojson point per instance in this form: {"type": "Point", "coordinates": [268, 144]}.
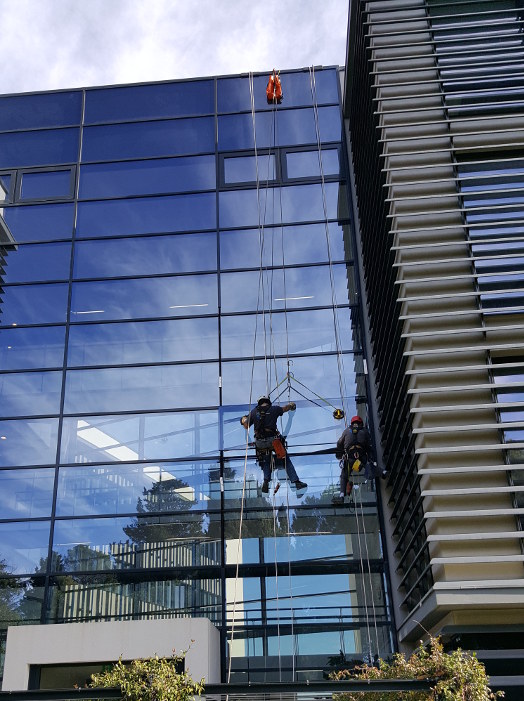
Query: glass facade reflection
{"type": "Point", "coordinates": [162, 275]}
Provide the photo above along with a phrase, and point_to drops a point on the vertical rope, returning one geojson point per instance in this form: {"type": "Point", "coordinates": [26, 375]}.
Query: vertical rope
{"type": "Point", "coordinates": [340, 364]}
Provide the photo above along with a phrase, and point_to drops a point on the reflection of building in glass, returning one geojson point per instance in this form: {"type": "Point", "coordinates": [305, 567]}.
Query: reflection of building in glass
{"type": "Point", "coordinates": [165, 275]}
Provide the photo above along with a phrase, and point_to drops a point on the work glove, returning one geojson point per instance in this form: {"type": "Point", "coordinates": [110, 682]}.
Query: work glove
{"type": "Point", "coordinates": [292, 406]}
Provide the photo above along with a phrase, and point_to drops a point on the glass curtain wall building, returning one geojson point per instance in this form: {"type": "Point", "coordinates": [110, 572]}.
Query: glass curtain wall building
{"type": "Point", "coordinates": [169, 252]}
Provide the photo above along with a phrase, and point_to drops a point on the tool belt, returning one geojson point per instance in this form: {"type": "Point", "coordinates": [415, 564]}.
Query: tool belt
{"type": "Point", "coordinates": [271, 444]}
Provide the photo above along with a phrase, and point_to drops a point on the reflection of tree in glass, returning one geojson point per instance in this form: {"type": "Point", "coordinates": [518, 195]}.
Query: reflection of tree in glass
{"type": "Point", "coordinates": [166, 539]}
{"type": "Point", "coordinates": [9, 597]}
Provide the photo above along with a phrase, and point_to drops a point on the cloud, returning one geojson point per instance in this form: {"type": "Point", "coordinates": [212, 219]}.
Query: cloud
{"type": "Point", "coordinates": [52, 44]}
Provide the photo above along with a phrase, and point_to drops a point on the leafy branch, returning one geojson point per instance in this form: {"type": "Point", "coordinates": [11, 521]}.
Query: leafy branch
{"type": "Point", "coordinates": [459, 676]}
{"type": "Point", "coordinates": [152, 679]}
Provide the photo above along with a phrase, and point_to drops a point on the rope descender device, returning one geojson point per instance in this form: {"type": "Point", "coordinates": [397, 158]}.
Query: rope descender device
{"type": "Point", "coordinates": [274, 89]}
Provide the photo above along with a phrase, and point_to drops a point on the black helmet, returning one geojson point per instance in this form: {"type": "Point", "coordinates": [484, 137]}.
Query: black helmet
{"type": "Point", "coordinates": [264, 399]}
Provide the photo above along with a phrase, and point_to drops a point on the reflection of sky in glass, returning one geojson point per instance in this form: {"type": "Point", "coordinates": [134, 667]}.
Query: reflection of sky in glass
{"type": "Point", "coordinates": [133, 389]}
{"type": "Point", "coordinates": [289, 245]}
{"type": "Point", "coordinates": [30, 394]}
{"type": "Point", "coordinates": [298, 203]}
{"type": "Point", "coordinates": [145, 298]}
{"type": "Point", "coordinates": [37, 347]}
{"type": "Point", "coordinates": [33, 304]}
{"type": "Point", "coordinates": [148, 436]}
{"type": "Point", "coordinates": [37, 263]}
{"type": "Point", "coordinates": [28, 442]}
{"type": "Point", "coordinates": [23, 545]}
{"type": "Point", "coordinates": [164, 175]}
{"type": "Point", "coordinates": [280, 333]}
{"type": "Point", "coordinates": [297, 287]}
{"type": "Point", "coordinates": [142, 342]}
{"type": "Point", "coordinates": [26, 493]}
{"type": "Point", "coordinates": [151, 255]}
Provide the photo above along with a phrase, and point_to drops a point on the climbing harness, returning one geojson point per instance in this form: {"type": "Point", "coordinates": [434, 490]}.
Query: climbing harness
{"type": "Point", "coordinates": [274, 89]}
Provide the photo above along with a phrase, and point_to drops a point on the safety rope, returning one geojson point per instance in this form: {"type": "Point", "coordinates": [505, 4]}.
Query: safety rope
{"type": "Point", "coordinates": [340, 359]}
{"type": "Point", "coordinates": [260, 290]}
{"type": "Point", "coordinates": [358, 501]}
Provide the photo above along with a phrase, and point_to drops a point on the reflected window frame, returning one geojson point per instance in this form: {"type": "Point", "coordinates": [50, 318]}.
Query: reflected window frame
{"type": "Point", "coordinates": [273, 154]}
{"type": "Point", "coordinates": [279, 156]}
{"type": "Point", "coordinates": [286, 178]}
{"type": "Point", "coordinates": [19, 197]}
{"type": "Point", "coordinates": [10, 190]}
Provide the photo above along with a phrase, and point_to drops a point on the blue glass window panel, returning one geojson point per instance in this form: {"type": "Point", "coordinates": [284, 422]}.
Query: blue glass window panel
{"type": "Point", "coordinates": [187, 295]}
{"type": "Point", "coordinates": [38, 347]}
{"type": "Point", "coordinates": [297, 203]}
{"type": "Point", "coordinates": [5, 186]}
{"type": "Point", "coordinates": [304, 287]}
{"type": "Point", "coordinates": [44, 110]}
{"type": "Point", "coordinates": [319, 373]}
{"type": "Point", "coordinates": [286, 128]}
{"type": "Point", "coordinates": [157, 177]}
{"type": "Point", "coordinates": [178, 137]}
{"type": "Point", "coordinates": [295, 332]}
{"type": "Point", "coordinates": [39, 262]}
{"type": "Point", "coordinates": [306, 164]}
{"type": "Point", "coordinates": [150, 101]}
{"type": "Point", "coordinates": [33, 304]}
{"type": "Point", "coordinates": [26, 493]}
{"type": "Point", "coordinates": [244, 169]}
{"type": "Point", "coordinates": [147, 215]}
{"type": "Point", "coordinates": [30, 393]}
{"type": "Point", "coordinates": [47, 222]}
{"type": "Point", "coordinates": [24, 545]}
{"type": "Point", "coordinates": [47, 185]}
{"type": "Point", "coordinates": [28, 442]}
{"type": "Point", "coordinates": [121, 489]}
{"type": "Point", "coordinates": [38, 148]}
{"type": "Point", "coordinates": [127, 543]}
{"type": "Point", "coordinates": [183, 253]}
{"type": "Point", "coordinates": [185, 434]}
{"type": "Point", "coordinates": [143, 342]}
{"type": "Point", "coordinates": [234, 94]}
{"type": "Point", "coordinates": [142, 388]}
{"type": "Point", "coordinates": [300, 244]}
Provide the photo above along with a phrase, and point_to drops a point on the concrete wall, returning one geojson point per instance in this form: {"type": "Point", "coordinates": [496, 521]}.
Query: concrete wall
{"type": "Point", "coordinates": [76, 643]}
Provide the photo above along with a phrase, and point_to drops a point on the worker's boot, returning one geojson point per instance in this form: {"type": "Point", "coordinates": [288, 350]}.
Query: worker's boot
{"type": "Point", "coordinates": [300, 485]}
{"type": "Point", "coordinates": [265, 487]}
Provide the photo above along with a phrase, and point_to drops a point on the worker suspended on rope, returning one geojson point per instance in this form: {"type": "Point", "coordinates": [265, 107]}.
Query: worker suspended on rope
{"type": "Point", "coordinates": [356, 454]}
{"type": "Point", "coordinates": [269, 443]}
{"type": "Point", "coordinates": [274, 89]}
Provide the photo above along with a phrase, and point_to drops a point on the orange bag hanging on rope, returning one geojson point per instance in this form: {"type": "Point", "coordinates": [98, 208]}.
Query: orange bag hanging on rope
{"type": "Point", "coordinates": [274, 89]}
{"type": "Point", "coordinates": [279, 449]}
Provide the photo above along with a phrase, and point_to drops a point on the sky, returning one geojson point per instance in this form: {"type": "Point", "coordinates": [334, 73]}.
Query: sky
{"type": "Point", "coordinates": [53, 44]}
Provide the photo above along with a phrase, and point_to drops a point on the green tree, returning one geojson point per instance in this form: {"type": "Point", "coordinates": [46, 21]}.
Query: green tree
{"type": "Point", "coordinates": [458, 675]}
{"type": "Point", "coordinates": [152, 679]}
